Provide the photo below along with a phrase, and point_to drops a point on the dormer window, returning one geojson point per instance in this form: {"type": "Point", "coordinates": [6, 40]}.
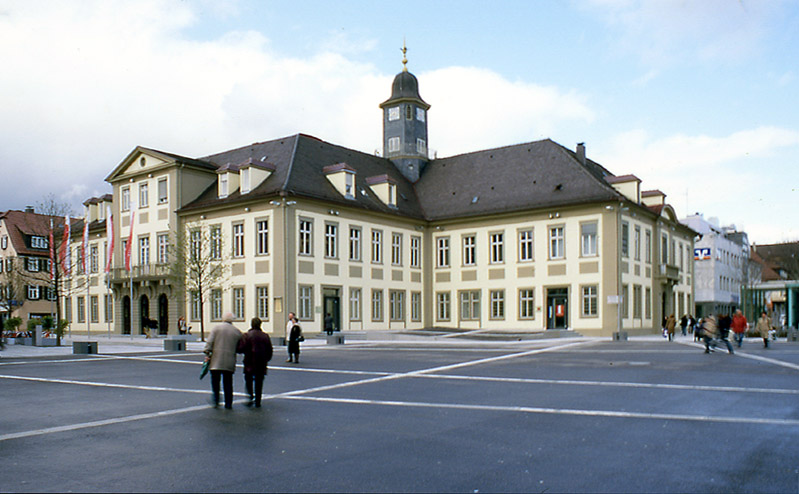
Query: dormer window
{"type": "Point", "coordinates": [385, 188]}
{"type": "Point", "coordinates": [245, 180]}
{"type": "Point", "coordinates": [223, 186]}
{"type": "Point", "coordinates": [392, 195]}
{"type": "Point", "coordinates": [349, 185]}
{"type": "Point", "coordinates": [38, 242]}
{"type": "Point", "coordinates": [342, 177]}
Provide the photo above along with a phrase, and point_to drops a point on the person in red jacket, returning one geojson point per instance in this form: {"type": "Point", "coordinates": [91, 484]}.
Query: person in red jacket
{"type": "Point", "coordinates": [739, 327]}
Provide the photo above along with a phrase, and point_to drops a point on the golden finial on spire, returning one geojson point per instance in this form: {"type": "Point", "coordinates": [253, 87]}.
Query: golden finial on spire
{"type": "Point", "coordinates": [404, 57]}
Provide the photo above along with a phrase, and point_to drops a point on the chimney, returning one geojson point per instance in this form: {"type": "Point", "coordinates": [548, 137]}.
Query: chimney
{"type": "Point", "coordinates": [29, 209]}
{"type": "Point", "coordinates": [581, 152]}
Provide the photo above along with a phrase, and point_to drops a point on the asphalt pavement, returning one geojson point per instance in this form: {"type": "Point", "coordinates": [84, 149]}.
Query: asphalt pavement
{"type": "Point", "coordinates": [407, 414]}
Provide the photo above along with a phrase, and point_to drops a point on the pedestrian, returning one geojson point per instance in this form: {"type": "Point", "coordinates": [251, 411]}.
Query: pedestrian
{"type": "Point", "coordinates": [295, 337]}
{"type": "Point", "coordinates": [289, 326]}
{"type": "Point", "coordinates": [257, 349]}
{"type": "Point", "coordinates": [329, 324]}
{"type": "Point", "coordinates": [763, 327]}
{"type": "Point", "coordinates": [699, 329]}
{"type": "Point", "coordinates": [684, 325]}
{"type": "Point", "coordinates": [220, 350]}
{"type": "Point", "coordinates": [724, 324]}
{"type": "Point", "coordinates": [709, 333]}
{"type": "Point", "coordinates": [691, 324]}
{"type": "Point", "coordinates": [739, 327]}
{"type": "Point", "coordinates": [671, 322]}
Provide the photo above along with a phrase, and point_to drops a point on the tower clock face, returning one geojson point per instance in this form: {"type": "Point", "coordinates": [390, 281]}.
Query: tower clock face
{"type": "Point", "coordinates": [420, 114]}
{"type": "Point", "coordinates": [394, 113]}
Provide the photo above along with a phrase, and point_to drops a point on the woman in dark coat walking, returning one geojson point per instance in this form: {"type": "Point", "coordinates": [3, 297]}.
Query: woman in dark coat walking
{"type": "Point", "coordinates": [257, 349]}
{"type": "Point", "coordinates": [295, 337]}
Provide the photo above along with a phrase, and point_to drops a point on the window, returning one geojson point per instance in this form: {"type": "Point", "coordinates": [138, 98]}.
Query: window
{"type": "Point", "coordinates": [637, 302]}
{"type": "Point", "coordinates": [416, 243]}
{"type": "Point", "coordinates": [396, 299]}
{"type": "Point", "coordinates": [349, 185]}
{"type": "Point", "coordinates": [648, 246]}
{"type": "Point", "coordinates": [470, 305]}
{"type": "Point", "coordinates": [144, 195]}
{"type": "Point", "coordinates": [377, 305]}
{"type": "Point", "coordinates": [94, 259]}
{"type": "Point", "coordinates": [648, 303]}
{"type": "Point", "coordinates": [421, 146]}
{"type": "Point", "coordinates": [305, 311]}
{"type": "Point", "coordinates": [125, 199]}
{"type": "Point", "coordinates": [81, 309]}
{"type": "Point", "coordinates": [195, 306]}
{"type": "Point", "coordinates": [393, 113]}
{"type": "Point", "coordinates": [355, 244]}
{"type": "Point", "coordinates": [637, 243]}
{"type": "Point", "coordinates": [420, 114]}
{"type": "Point", "coordinates": [497, 304]}
{"type": "Point", "coordinates": [32, 264]}
{"type": "Point", "coordinates": [34, 293]}
{"type": "Point", "coordinates": [556, 242]}
{"type": "Point", "coordinates": [306, 237]}
{"type": "Point", "coordinates": [109, 308]}
{"type": "Point", "coordinates": [408, 112]}
{"type": "Point", "coordinates": [195, 242]}
{"type": "Point", "coordinates": [526, 303]}
{"type": "Point", "coordinates": [4, 241]}
{"type": "Point", "coordinates": [625, 301]}
{"type": "Point", "coordinates": [262, 237]}
{"type": "Point", "coordinates": [245, 180]}
{"type": "Point", "coordinates": [588, 239]}
{"type": "Point", "coordinates": [664, 249]}
{"type": "Point", "coordinates": [496, 243]}
{"type": "Point", "coordinates": [416, 306]}
{"type": "Point", "coordinates": [469, 246]}
{"type": "Point", "coordinates": [238, 303]}
{"type": "Point", "coordinates": [393, 144]}
{"type": "Point", "coordinates": [377, 246]}
{"type": "Point", "coordinates": [262, 302]}
{"type": "Point", "coordinates": [443, 306]}
{"type": "Point", "coordinates": [625, 239]}
{"type": "Point", "coordinates": [38, 242]}
{"type": "Point", "coordinates": [216, 305]}
{"type": "Point", "coordinates": [94, 309]}
{"type": "Point", "coordinates": [162, 191]}
{"type": "Point", "coordinates": [392, 195]}
{"type": "Point", "coordinates": [355, 304]}
{"type": "Point", "coordinates": [68, 308]}
{"type": "Point", "coordinates": [331, 240]}
{"type": "Point", "coordinates": [163, 248]}
{"type": "Point", "coordinates": [216, 242]}
{"type": "Point", "coordinates": [223, 186]}
{"type": "Point", "coordinates": [144, 251]}
{"type": "Point", "coordinates": [590, 301]}
{"type": "Point", "coordinates": [526, 245]}
{"type": "Point", "coordinates": [442, 252]}
{"type": "Point", "coordinates": [238, 240]}
{"type": "Point", "coordinates": [396, 249]}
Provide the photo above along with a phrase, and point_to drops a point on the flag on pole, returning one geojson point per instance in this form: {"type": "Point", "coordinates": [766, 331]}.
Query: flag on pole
{"type": "Point", "coordinates": [65, 252]}
{"type": "Point", "coordinates": [129, 246]}
{"type": "Point", "coordinates": [52, 252]}
{"type": "Point", "coordinates": [109, 234]}
{"type": "Point", "coordinates": [85, 244]}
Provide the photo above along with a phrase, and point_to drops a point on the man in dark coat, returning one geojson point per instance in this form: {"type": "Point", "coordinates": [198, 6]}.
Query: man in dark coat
{"type": "Point", "coordinates": [257, 349]}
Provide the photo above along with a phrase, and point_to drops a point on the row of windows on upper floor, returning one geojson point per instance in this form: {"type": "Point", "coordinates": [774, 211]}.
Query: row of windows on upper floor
{"type": "Point", "coordinates": [9, 292]}
{"type": "Point", "coordinates": [36, 242]}
{"type": "Point", "coordinates": [143, 194]}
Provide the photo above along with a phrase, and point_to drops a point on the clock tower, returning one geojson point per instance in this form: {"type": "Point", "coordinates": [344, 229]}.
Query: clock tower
{"type": "Point", "coordinates": [405, 124]}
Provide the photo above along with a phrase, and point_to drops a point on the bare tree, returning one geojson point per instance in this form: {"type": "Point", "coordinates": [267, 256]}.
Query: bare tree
{"type": "Point", "coordinates": [12, 290]}
{"type": "Point", "coordinates": [200, 264]}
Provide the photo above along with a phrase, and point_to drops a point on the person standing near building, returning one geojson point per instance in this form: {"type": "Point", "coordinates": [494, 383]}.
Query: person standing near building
{"type": "Point", "coordinates": [257, 349]}
{"type": "Point", "coordinates": [329, 324]}
{"type": "Point", "coordinates": [671, 323]}
{"type": "Point", "coordinates": [220, 350]}
{"type": "Point", "coordinates": [289, 326]}
{"type": "Point", "coordinates": [295, 337]}
{"type": "Point", "coordinates": [739, 327]}
{"type": "Point", "coordinates": [763, 327]}
{"type": "Point", "coordinates": [684, 325]}
{"type": "Point", "coordinates": [709, 333]}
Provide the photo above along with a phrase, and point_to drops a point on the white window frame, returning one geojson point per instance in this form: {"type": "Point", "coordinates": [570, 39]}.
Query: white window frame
{"type": "Point", "coordinates": [262, 237]}
{"type": "Point", "coordinates": [238, 239]}
{"type": "Point", "coordinates": [355, 304]}
{"type": "Point", "coordinates": [496, 244]}
{"type": "Point", "coordinates": [590, 301]}
{"type": "Point", "coordinates": [526, 245]}
{"type": "Point", "coordinates": [396, 249]}
{"type": "Point", "coordinates": [469, 305]}
{"type": "Point", "coordinates": [305, 237]}
{"type": "Point", "coordinates": [589, 240]}
{"type": "Point", "coordinates": [396, 305]}
{"type": "Point", "coordinates": [377, 246]}
{"type": "Point", "coordinates": [497, 300]}
{"type": "Point", "coordinates": [469, 250]}
{"type": "Point", "coordinates": [393, 144]}
{"type": "Point", "coordinates": [262, 302]}
{"type": "Point", "coordinates": [443, 306]}
{"type": "Point", "coordinates": [163, 248]}
{"type": "Point", "coordinates": [216, 304]}
{"type": "Point", "coordinates": [377, 305]}
{"type": "Point", "coordinates": [526, 303]}
{"type": "Point", "coordinates": [237, 295]}
{"type": "Point", "coordinates": [144, 194]}
{"type": "Point", "coordinates": [416, 243]}
{"type": "Point", "coordinates": [557, 242]}
{"type": "Point", "coordinates": [416, 306]}
{"type": "Point", "coordinates": [355, 243]}
{"type": "Point", "coordinates": [163, 191]}
{"type": "Point", "coordinates": [442, 252]}
{"type": "Point", "coordinates": [305, 309]}
{"type": "Point", "coordinates": [331, 240]}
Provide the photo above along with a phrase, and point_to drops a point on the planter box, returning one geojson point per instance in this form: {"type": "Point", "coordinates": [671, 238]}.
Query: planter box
{"type": "Point", "coordinates": [48, 342]}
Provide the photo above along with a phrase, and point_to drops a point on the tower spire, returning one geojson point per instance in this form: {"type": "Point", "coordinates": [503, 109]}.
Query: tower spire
{"type": "Point", "coordinates": [404, 56]}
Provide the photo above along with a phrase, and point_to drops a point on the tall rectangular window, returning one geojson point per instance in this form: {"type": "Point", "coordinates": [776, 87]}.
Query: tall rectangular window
{"type": "Point", "coordinates": [81, 309]}
{"type": "Point", "coordinates": [306, 303]}
{"type": "Point", "coordinates": [416, 306]}
{"type": "Point", "coordinates": [94, 308]}
{"type": "Point", "coordinates": [396, 305]}
{"type": "Point", "coordinates": [470, 305]}
{"type": "Point", "coordinates": [355, 304]}
{"type": "Point", "coordinates": [355, 244]}
{"type": "Point", "coordinates": [648, 303]}
{"type": "Point", "coordinates": [637, 243]}
{"type": "Point", "coordinates": [590, 301]}
{"type": "Point", "coordinates": [416, 243]}
{"type": "Point", "coordinates": [637, 299]}
{"type": "Point", "coordinates": [68, 308]}
{"type": "Point", "coordinates": [262, 237]}
{"type": "Point", "coordinates": [94, 259]}
{"type": "Point", "coordinates": [469, 250]}
{"type": "Point", "coordinates": [648, 246]}
{"type": "Point", "coordinates": [496, 243]}
{"type": "Point", "coordinates": [195, 306]}
{"type": "Point", "coordinates": [262, 302]}
{"type": "Point", "coordinates": [238, 303]}
{"type": "Point", "coordinates": [526, 245]}
{"type": "Point", "coordinates": [377, 246]}
{"type": "Point", "coordinates": [526, 303]}
{"type": "Point", "coordinates": [162, 191]}
{"type": "Point", "coordinates": [377, 305]}
{"type": "Point", "coordinates": [625, 301]}
{"type": "Point", "coordinates": [144, 195]}
{"type": "Point", "coordinates": [664, 249]}
{"type": "Point", "coordinates": [306, 237]}
{"type": "Point", "coordinates": [442, 252]}
{"type": "Point", "coordinates": [195, 244]}
{"type": "Point", "coordinates": [144, 251]}
{"type": "Point", "coordinates": [109, 308]}
{"type": "Point", "coordinates": [125, 192]}
{"type": "Point", "coordinates": [216, 242]}
{"type": "Point", "coordinates": [588, 239]}
{"type": "Point", "coordinates": [331, 240]}
{"type": "Point", "coordinates": [443, 306]}
{"type": "Point", "coordinates": [625, 239]}
{"type": "Point", "coordinates": [238, 240]}
{"type": "Point", "coordinates": [396, 249]}
{"type": "Point", "coordinates": [393, 144]}
{"type": "Point", "coordinates": [163, 248]}
{"type": "Point", "coordinates": [497, 304]}
{"type": "Point", "coordinates": [216, 305]}
{"type": "Point", "coordinates": [557, 242]}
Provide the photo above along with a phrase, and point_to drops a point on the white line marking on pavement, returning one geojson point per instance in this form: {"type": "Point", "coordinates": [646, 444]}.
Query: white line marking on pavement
{"type": "Point", "coordinates": [555, 411]}
{"type": "Point", "coordinates": [105, 385]}
{"type": "Point", "coordinates": [751, 356]}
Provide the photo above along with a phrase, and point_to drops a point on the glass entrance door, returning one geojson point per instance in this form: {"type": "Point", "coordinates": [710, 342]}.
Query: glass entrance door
{"type": "Point", "coordinates": [557, 308]}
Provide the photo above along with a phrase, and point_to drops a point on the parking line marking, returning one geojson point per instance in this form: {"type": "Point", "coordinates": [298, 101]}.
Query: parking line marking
{"type": "Point", "coordinates": [555, 411]}
{"type": "Point", "coordinates": [751, 356]}
{"type": "Point", "coordinates": [103, 385]}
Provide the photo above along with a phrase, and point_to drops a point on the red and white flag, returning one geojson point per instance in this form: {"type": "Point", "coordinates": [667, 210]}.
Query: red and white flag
{"type": "Point", "coordinates": [129, 246]}
{"type": "Point", "coordinates": [52, 252]}
{"type": "Point", "coordinates": [66, 258]}
{"type": "Point", "coordinates": [109, 234]}
{"type": "Point", "coordinates": [85, 245]}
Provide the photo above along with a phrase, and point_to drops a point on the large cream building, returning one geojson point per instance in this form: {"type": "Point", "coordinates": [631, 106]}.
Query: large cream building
{"type": "Point", "coordinates": [522, 238]}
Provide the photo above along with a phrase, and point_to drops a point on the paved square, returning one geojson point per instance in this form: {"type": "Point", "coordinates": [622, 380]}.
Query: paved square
{"type": "Point", "coordinates": [577, 415]}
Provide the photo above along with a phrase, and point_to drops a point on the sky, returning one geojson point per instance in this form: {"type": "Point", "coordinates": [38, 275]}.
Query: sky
{"type": "Point", "coordinates": [698, 99]}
